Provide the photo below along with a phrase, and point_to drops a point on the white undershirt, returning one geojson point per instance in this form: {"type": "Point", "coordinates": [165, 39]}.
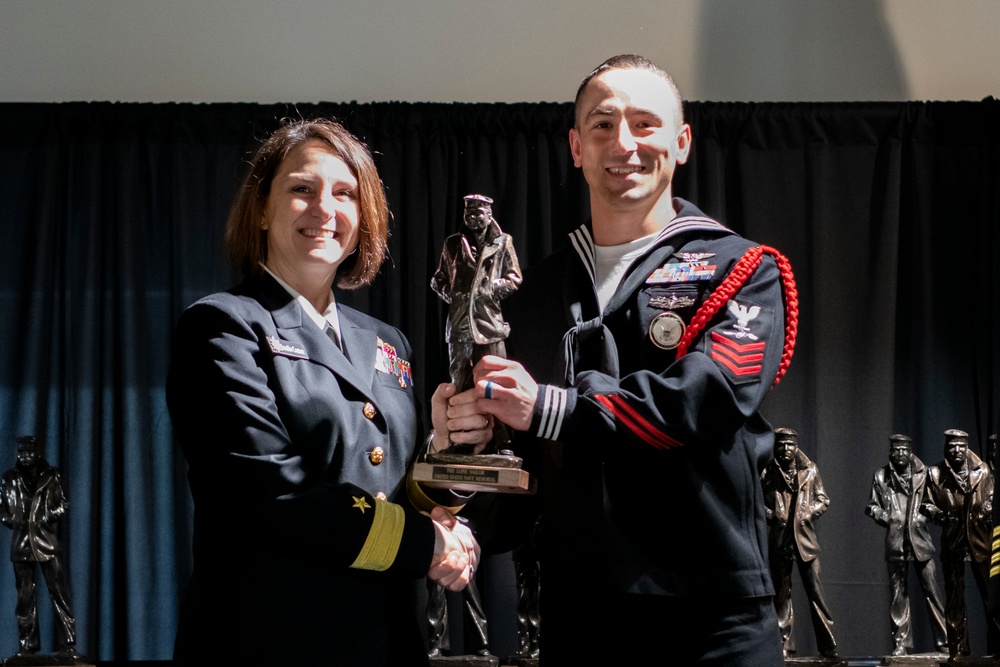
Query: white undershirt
{"type": "Point", "coordinates": [328, 316]}
{"type": "Point", "coordinates": [611, 262]}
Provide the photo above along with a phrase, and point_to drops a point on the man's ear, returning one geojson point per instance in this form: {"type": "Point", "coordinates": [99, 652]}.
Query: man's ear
{"type": "Point", "coordinates": [574, 146]}
{"type": "Point", "coordinates": [683, 143]}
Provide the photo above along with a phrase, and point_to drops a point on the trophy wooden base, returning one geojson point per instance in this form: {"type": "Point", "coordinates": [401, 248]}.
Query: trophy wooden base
{"type": "Point", "coordinates": [491, 479]}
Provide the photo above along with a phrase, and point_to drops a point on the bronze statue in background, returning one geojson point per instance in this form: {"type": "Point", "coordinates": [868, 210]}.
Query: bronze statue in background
{"type": "Point", "coordinates": [793, 499]}
{"type": "Point", "coordinates": [994, 582]}
{"type": "Point", "coordinates": [478, 269]}
{"type": "Point", "coordinates": [437, 620]}
{"type": "Point", "coordinates": [32, 500]}
{"type": "Point", "coordinates": [528, 575]}
{"type": "Point", "coordinates": [897, 491]}
{"type": "Point", "coordinates": [959, 497]}
{"type": "Point", "coordinates": [991, 454]}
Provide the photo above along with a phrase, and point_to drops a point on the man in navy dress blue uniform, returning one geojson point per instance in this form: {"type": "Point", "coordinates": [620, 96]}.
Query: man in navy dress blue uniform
{"type": "Point", "coordinates": [643, 351]}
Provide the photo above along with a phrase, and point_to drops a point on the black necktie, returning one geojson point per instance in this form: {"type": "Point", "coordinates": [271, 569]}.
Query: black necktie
{"type": "Point", "coordinates": [578, 336]}
{"type": "Point", "coordinates": [332, 334]}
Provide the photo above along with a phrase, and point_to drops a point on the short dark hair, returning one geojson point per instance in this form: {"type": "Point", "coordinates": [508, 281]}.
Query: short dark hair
{"type": "Point", "coordinates": [627, 61]}
{"type": "Point", "coordinates": [247, 242]}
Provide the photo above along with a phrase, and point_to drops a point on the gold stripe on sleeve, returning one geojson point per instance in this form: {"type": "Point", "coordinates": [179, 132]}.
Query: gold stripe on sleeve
{"type": "Point", "coordinates": [996, 532]}
{"type": "Point", "coordinates": [382, 544]}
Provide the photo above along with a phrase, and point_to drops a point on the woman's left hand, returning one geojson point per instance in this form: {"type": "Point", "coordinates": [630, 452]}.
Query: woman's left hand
{"type": "Point", "coordinates": [457, 419]}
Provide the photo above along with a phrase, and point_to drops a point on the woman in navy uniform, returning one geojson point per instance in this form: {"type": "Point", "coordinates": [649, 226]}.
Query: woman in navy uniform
{"type": "Point", "coordinates": [298, 420]}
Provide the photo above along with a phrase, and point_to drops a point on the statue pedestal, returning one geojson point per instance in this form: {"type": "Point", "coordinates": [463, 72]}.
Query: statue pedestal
{"type": "Point", "coordinates": [521, 662]}
{"type": "Point", "coordinates": [48, 660]}
{"type": "Point", "coordinates": [916, 659]}
{"type": "Point", "coordinates": [465, 661]}
{"type": "Point", "coordinates": [815, 661]}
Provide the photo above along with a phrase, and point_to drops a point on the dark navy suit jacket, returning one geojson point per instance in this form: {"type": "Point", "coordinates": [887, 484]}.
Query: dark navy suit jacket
{"type": "Point", "coordinates": [278, 426]}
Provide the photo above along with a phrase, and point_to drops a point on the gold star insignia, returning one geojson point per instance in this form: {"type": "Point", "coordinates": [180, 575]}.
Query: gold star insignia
{"type": "Point", "coordinates": [361, 503]}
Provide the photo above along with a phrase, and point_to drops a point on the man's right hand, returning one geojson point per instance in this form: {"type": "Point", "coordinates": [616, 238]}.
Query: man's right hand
{"type": "Point", "coordinates": [456, 552]}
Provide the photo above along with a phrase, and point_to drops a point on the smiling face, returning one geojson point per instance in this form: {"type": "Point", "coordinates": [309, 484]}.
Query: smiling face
{"type": "Point", "coordinates": [311, 216]}
{"type": "Point", "coordinates": [628, 138]}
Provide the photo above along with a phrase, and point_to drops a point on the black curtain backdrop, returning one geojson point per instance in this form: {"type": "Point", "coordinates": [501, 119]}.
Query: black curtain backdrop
{"type": "Point", "coordinates": [112, 223]}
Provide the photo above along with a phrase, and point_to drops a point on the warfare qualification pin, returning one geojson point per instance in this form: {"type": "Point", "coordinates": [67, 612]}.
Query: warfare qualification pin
{"type": "Point", "coordinates": [666, 330]}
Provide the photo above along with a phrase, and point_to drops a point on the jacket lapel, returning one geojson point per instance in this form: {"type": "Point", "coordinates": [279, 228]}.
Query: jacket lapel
{"type": "Point", "coordinates": [359, 341]}
{"type": "Point", "coordinates": [975, 477]}
{"type": "Point", "coordinates": [293, 326]}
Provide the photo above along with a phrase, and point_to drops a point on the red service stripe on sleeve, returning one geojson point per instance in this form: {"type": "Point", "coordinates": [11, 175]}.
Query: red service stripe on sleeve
{"type": "Point", "coordinates": [748, 370]}
{"type": "Point", "coordinates": [742, 349]}
{"type": "Point", "coordinates": [635, 422]}
{"type": "Point", "coordinates": [738, 358]}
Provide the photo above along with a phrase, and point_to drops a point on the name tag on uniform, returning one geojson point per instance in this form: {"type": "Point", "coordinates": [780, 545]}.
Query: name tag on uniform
{"type": "Point", "coordinates": [286, 349]}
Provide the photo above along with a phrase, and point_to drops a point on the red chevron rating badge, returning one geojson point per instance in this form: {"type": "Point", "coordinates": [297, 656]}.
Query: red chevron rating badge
{"type": "Point", "coordinates": [744, 360]}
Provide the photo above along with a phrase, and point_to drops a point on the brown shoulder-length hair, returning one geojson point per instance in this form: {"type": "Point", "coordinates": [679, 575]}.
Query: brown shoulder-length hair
{"type": "Point", "coordinates": [247, 242]}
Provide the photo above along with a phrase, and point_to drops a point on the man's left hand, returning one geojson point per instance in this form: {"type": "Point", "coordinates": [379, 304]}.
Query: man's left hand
{"type": "Point", "coordinates": [511, 390]}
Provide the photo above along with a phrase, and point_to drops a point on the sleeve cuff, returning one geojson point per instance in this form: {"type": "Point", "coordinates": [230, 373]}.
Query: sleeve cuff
{"type": "Point", "coordinates": [416, 548]}
{"type": "Point", "coordinates": [382, 544]}
{"type": "Point", "coordinates": [400, 540]}
{"type": "Point", "coordinates": [551, 406]}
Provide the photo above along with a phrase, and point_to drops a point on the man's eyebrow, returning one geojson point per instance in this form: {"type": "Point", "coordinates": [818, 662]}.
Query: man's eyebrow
{"type": "Point", "coordinates": [602, 110]}
{"type": "Point", "coordinates": [611, 110]}
{"type": "Point", "coordinates": [645, 112]}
